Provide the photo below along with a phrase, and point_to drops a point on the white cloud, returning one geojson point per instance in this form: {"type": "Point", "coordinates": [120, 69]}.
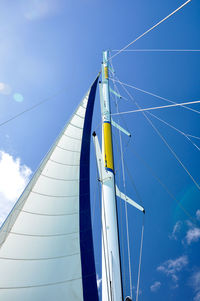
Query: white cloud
{"type": "Point", "coordinates": [193, 232]}
{"type": "Point", "coordinates": [176, 230]}
{"type": "Point", "coordinates": [198, 214]}
{"type": "Point", "coordinates": [195, 283]}
{"type": "Point", "coordinates": [13, 178]}
{"type": "Point", "coordinates": [193, 235]}
{"type": "Point", "coordinates": [155, 286]}
{"type": "Point", "coordinates": [197, 297]}
{"type": "Point", "coordinates": [172, 267]}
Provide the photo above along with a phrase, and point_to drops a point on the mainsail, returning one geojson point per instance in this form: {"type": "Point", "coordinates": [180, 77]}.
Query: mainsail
{"type": "Point", "coordinates": [46, 247]}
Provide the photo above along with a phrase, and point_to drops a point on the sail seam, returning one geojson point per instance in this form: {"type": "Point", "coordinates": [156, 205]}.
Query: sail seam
{"type": "Point", "coordinates": [69, 150]}
{"type": "Point", "coordinates": [64, 163]}
{"type": "Point", "coordinates": [58, 179]}
{"type": "Point", "coordinates": [36, 259]}
{"type": "Point", "coordinates": [46, 284]}
{"type": "Point", "coordinates": [40, 285]}
{"type": "Point", "coordinates": [83, 106]}
{"type": "Point", "coordinates": [79, 116]}
{"type": "Point", "coordinates": [56, 196]}
{"type": "Point", "coordinates": [76, 126]}
{"type": "Point", "coordinates": [46, 214]}
{"type": "Point", "coordinates": [43, 235]}
{"type": "Point", "coordinates": [79, 139]}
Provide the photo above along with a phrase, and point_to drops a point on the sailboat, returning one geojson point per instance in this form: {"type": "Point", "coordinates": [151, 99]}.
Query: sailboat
{"type": "Point", "coordinates": [46, 242]}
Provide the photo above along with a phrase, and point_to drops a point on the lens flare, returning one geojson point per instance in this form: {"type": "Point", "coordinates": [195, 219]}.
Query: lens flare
{"type": "Point", "coordinates": [18, 97]}
{"type": "Point", "coordinates": [189, 200]}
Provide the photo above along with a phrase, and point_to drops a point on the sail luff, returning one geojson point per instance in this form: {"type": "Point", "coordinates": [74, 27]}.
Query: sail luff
{"type": "Point", "coordinates": [86, 242]}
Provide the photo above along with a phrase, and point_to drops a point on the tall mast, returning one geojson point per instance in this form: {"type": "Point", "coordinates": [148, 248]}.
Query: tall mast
{"type": "Point", "coordinates": [111, 268]}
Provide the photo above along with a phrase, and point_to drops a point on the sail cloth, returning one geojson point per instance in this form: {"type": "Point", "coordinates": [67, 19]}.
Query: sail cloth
{"type": "Point", "coordinates": [46, 247]}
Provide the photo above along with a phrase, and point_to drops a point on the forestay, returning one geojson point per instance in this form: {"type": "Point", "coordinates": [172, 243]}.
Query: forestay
{"type": "Point", "coordinates": [46, 242]}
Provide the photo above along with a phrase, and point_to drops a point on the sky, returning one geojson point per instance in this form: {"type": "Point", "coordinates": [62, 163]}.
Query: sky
{"type": "Point", "coordinates": [51, 51]}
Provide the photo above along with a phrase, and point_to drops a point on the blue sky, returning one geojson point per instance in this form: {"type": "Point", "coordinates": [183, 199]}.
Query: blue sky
{"type": "Point", "coordinates": [53, 49]}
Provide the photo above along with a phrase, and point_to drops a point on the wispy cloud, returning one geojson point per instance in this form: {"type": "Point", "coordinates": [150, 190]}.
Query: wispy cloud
{"type": "Point", "coordinates": [155, 286]}
{"type": "Point", "coordinates": [198, 214]}
{"type": "Point", "coordinates": [172, 267]}
{"type": "Point", "coordinates": [14, 176]}
{"type": "Point", "coordinates": [193, 232]}
{"type": "Point", "coordinates": [197, 297]}
{"type": "Point", "coordinates": [195, 283]}
{"type": "Point", "coordinates": [193, 235]}
{"type": "Point", "coordinates": [176, 230]}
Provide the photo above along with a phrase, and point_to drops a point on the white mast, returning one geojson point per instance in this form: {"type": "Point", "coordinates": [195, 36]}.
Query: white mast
{"type": "Point", "coordinates": [111, 270]}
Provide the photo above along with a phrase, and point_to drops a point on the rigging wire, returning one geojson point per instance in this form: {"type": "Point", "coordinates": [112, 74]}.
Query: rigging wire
{"type": "Point", "coordinates": [121, 97]}
{"type": "Point", "coordinates": [130, 176]}
{"type": "Point", "coordinates": [150, 29]}
{"type": "Point", "coordinates": [142, 233]}
{"type": "Point", "coordinates": [193, 136]}
{"type": "Point", "coordinates": [141, 245]}
{"type": "Point", "coordinates": [165, 142]}
{"type": "Point", "coordinates": [140, 260]}
{"type": "Point", "coordinates": [117, 173]}
{"type": "Point", "coordinates": [122, 119]}
{"type": "Point", "coordinates": [147, 166]}
{"type": "Point", "coordinates": [126, 214]}
{"type": "Point", "coordinates": [125, 203]}
{"type": "Point", "coordinates": [103, 237]}
{"type": "Point", "coordinates": [115, 99]}
{"type": "Point", "coordinates": [134, 186]}
{"type": "Point", "coordinates": [158, 50]}
{"type": "Point", "coordinates": [121, 223]}
{"type": "Point", "coordinates": [159, 180]}
{"type": "Point", "coordinates": [137, 193]}
{"type": "Point", "coordinates": [173, 127]}
{"type": "Point", "coordinates": [30, 109]}
{"type": "Point", "coordinates": [152, 94]}
{"type": "Point", "coordinates": [156, 108]}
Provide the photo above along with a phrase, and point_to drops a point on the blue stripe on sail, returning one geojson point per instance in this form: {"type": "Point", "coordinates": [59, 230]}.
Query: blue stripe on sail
{"type": "Point", "coordinates": [89, 282]}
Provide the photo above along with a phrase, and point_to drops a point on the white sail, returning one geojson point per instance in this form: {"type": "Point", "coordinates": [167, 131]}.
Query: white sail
{"type": "Point", "coordinates": [44, 240]}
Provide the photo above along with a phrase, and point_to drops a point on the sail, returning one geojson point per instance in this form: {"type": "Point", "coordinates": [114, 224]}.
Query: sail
{"type": "Point", "coordinates": [46, 247]}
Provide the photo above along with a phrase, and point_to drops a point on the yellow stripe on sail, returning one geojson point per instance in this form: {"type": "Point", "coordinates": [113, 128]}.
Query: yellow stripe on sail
{"type": "Point", "coordinates": [108, 153]}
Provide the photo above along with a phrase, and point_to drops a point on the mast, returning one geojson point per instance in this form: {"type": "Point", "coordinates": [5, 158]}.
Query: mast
{"type": "Point", "coordinates": [111, 269]}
